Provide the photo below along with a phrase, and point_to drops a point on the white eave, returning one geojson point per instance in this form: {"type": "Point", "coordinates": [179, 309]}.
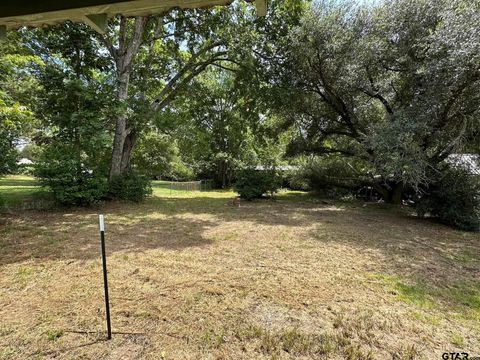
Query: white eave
{"type": "Point", "coordinates": [94, 13]}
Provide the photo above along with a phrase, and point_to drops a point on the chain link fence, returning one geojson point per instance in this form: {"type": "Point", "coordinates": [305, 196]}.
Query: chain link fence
{"type": "Point", "coordinates": [201, 185]}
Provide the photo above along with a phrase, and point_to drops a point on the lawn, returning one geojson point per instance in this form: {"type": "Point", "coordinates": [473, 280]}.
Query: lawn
{"type": "Point", "coordinates": [194, 277]}
{"type": "Point", "coordinates": [20, 191]}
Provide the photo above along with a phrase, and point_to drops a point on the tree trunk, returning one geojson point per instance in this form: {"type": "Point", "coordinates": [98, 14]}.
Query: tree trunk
{"type": "Point", "coordinates": [128, 146]}
{"type": "Point", "coordinates": [118, 142]}
{"type": "Point", "coordinates": [392, 194]}
{"type": "Point", "coordinates": [396, 194]}
{"type": "Point", "coordinates": [124, 55]}
{"type": "Point", "coordinates": [129, 43]}
{"type": "Point", "coordinates": [121, 131]}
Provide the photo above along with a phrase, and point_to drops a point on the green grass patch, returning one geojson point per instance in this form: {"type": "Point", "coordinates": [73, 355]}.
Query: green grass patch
{"type": "Point", "coordinates": [464, 257]}
{"type": "Point", "coordinates": [164, 189]}
{"type": "Point", "coordinates": [18, 190]}
{"type": "Point", "coordinates": [23, 276]}
{"type": "Point", "coordinates": [7, 353]}
{"type": "Point", "coordinates": [462, 297]}
{"type": "Point", "coordinates": [290, 340]}
{"type": "Point", "coordinates": [457, 340]}
{"type": "Point", "coordinates": [54, 335]}
{"type": "Point", "coordinates": [406, 290]}
{"type": "Point", "coordinates": [5, 330]}
{"type": "Point", "coordinates": [425, 318]}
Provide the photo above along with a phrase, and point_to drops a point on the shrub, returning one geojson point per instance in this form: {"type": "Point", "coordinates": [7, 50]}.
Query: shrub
{"type": "Point", "coordinates": [181, 172]}
{"type": "Point", "coordinates": [252, 184]}
{"type": "Point", "coordinates": [454, 199]}
{"type": "Point", "coordinates": [70, 182]}
{"type": "Point", "coordinates": [327, 175]}
{"type": "Point", "coordinates": [25, 170]}
{"type": "Point", "coordinates": [84, 190]}
{"type": "Point", "coordinates": [130, 186]}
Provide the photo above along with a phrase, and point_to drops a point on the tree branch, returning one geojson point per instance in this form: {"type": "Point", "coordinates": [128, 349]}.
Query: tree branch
{"type": "Point", "coordinates": [191, 64]}
{"type": "Point", "coordinates": [134, 43]}
{"type": "Point", "coordinates": [171, 92]}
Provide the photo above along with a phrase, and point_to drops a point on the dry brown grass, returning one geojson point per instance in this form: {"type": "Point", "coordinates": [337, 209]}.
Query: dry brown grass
{"type": "Point", "coordinates": [193, 278]}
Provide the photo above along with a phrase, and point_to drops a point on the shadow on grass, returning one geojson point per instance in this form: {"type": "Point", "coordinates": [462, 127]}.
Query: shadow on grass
{"type": "Point", "coordinates": [166, 223]}
{"type": "Point", "coordinates": [408, 247]}
{"type": "Point", "coordinates": [56, 236]}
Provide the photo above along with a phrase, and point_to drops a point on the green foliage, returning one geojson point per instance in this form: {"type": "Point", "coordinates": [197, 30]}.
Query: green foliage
{"type": "Point", "coordinates": [227, 128]}
{"type": "Point", "coordinates": [182, 172]}
{"type": "Point", "coordinates": [454, 199]}
{"type": "Point", "coordinates": [130, 186]}
{"type": "Point", "coordinates": [30, 151]}
{"type": "Point", "coordinates": [72, 108]}
{"type": "Point", "coordinates": [253, 184]}
{"type": "Point", "coordinates": [70, 182]}
{"type": "Point", "coordinates": [382, 92]}
{"type": "Point", "coordinates": [399, 156]}
{"type": "Point", "coordinates": [329, 175]}
{"type": "Point", "coordinates": [393, 85]}
{"type": "Point", "coordinates": [25, 169]}
{"type": "Point", "coordinates": [157, 156]}
{"type": "Point", "coordinates": [15, 120]}
{"type": "Point", "coordinates": [216, 129]}
{"type": "Point", "coordinates": [17, 94]}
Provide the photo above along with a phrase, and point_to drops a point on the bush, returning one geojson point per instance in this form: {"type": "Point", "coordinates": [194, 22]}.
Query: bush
{"type": "Point", "coordinates": [454, 199]}
{"type": "Point", "coordinates": [253, 184]}
{"type": "Point", "coordinates": [327, 175]}
{"type": "Point", "coordinates": [70, 182]}
{"type": "Point", "coordinates": [25, 170]}
{"type": "Point", "coordinates": [80, 189]}
{"type": "Point", "coordinates": [181, 172]}
{"type": "Point", "coordinates": [130, 186]}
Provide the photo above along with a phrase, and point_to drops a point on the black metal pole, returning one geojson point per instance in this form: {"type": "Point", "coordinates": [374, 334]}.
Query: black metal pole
{"type": "Point", "coordinates": [105, 281]}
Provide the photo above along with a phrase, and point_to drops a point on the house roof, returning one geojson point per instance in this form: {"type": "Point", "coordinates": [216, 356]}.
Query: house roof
{"type": "Point", "coordinates": [24, 161]}
{"type": "Point", "coordinates": [279, 167]}
{"type": "Point", "coordinates": [95, 13]}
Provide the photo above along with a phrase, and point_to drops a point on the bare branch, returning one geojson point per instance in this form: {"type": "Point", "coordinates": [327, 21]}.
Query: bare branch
{"type": "Point", "coordinates": [374, 92]}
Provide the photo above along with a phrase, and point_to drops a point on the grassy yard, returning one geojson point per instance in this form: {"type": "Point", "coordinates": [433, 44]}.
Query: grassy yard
{"type": "Point", "coordinates": [20, 191]}
{"type": "Point", "coordinates": [193, 277]}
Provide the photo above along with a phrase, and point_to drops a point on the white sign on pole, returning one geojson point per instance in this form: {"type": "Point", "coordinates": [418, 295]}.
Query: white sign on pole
{"type": "Point", "coordinates": [102, 222]}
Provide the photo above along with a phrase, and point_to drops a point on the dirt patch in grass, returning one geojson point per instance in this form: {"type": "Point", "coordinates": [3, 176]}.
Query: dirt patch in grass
{"type": "Point", "coordinates": [192, 277]}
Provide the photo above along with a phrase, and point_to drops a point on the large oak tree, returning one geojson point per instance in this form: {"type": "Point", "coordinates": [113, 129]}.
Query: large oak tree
{"type": "Point", "coordinates": [394, 86]}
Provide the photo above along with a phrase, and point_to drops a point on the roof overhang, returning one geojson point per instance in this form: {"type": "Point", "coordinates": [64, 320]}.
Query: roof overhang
{"type": "Point", "coordinates": [94, 13]}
